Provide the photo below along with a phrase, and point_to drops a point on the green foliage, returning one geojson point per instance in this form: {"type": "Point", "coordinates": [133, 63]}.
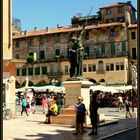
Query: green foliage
{"type": "Point", "coordinates": [30, 59]}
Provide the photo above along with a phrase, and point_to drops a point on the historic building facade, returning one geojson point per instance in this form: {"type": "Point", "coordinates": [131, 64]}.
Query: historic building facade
{"type": "Point", "coordinates": [106, 43]}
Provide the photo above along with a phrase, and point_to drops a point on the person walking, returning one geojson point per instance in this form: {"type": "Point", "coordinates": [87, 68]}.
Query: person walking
{"type": "Point", "coordinates": [24, 104]}
{"type": "Point", "coordinates": [80, 110]}
{"type": "Point", "coordinates": [33, 103]}
{"type": "Point", "coordinates": [127, 105]}
{"type": "Point", "coordinates": [93, 110]}
{"type": "Point", "coordinates": [44, 104]}
{"type": "Point", "coordinates": [120, 103]}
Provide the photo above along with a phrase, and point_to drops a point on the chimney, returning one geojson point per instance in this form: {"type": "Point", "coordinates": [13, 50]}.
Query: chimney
{"type": "Point", "coordinates": [35, 28]}
{"type": "Point", "coordinates": [46, 29]}
{"type": "Point", "coordinates": [129, 2]}
{"type": "Point", "coordinates": [25, 32]}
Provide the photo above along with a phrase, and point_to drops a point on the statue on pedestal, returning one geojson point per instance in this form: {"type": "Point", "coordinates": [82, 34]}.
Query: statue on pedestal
{"type": "Point", "coordinates": [75, 55]}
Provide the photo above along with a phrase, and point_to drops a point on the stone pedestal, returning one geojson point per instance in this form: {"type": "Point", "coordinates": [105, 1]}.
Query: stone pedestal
{"type": "Point", "coordinates": [74, 89]}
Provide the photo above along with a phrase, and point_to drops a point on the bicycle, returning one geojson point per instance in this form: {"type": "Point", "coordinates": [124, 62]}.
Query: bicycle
{"type": "Point", "coordinates": [7, 113]}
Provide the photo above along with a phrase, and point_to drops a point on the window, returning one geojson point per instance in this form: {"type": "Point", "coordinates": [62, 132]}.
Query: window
{"type": "Point", "coordinates": [133, 53]}
{"type": "Point", "coordinates": [31, 54]}
{"type": "Point", "coordinates": [100, 67]}
{"type": "Point", "coordinates": [30, 42]}
{"type": "Point", "coordinates": [44, 70]}
{"type": "Point", "coordinates": [89, 68]}
{"type": "Point", "coordinates": [112, 48]}
{"type": "Point", "coordinates": [109, 20]}
{"type": "Point", "coordinates": [59, 68]}
{"type": "Point", "coordinates": [117, 66]}
{"type": "Point", "coordinates": [112, 33]}
{"type": "Point", "coordinates": [107, 66]}
{"type": "Point", "coordinates": [103, 49]}
{"type": "Point", "coordinates": [120, 19]}
{"type": "Point", "coordinates": [84, 68]}
{"type": "Point", "coordinates": [108, 11]}
{"type": "Point", "coordinates": [17, 43]}
{"type": "Point", "coordinates": [37, 71]}
{"type": "Point", "coordinates": [57, 52]}
{"type": "Point", "coordinates": [122, 65]}
{"type": "Point", "coordinates": [86, 50]}
{"type": "Point", "coordinates": [23, 71]}
{"type": "Point", "coordinates": [17, 56]}
{"type": "Point", "coordinates": [57, 38]}
{"type": "Point", "coordinates": [133, 35]}
{"type": "Point", "coordinates": [51, 68]}
{"type": "Point", "coordinates": [111, 67]}
{"type": "Point", "coordinates": [30, 71]}
{"type": "Point", "coordinates": [66, 69]}
{"type": "Point", "coordinates": [120, 9]}
{"type": "Point", "coordinates": [41, 41]}
{"type": "Point", "coordinates": [94, 67]}
{"type": "Point", "coordinates": [123, 47]}
{"type": "Point", "coordinates": [42, 54]}
{"type": "Point", "coordinates": [17, 72]}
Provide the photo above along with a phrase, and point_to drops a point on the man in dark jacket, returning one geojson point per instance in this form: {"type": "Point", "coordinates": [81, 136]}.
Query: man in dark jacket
{"type": "Point", "coordinates": [93, 114]}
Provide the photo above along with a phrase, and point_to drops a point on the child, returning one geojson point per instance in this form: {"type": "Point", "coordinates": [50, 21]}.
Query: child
{"type": "Point", "coordinates": [80, 116]}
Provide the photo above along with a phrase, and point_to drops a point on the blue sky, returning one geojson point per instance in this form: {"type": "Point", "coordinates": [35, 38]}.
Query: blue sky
{"type": "Point", "coordinates": [49, 13]}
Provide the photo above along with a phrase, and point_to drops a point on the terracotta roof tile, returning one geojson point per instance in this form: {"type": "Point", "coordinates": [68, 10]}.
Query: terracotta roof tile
{"type": "Point", "coordinates": [113, 5]}
{"type": "Point", "coordinates": [63, 29]}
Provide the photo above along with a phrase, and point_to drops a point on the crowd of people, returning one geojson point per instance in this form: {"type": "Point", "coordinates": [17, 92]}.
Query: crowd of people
{"type": "Point", "coordinates": [53, 103]}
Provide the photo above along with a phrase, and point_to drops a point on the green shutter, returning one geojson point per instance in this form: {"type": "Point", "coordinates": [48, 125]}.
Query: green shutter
{"type": "Point", "coordinates": [103, 49]}
{"type": "Point", "coordinates": [59, 68]}
{"type": "Point", "coordinates": [23, 71]}
{"type": "Point", "coordinates": [44, 70]}
{"type": "Point", "coordinates": [17, 72]}
{"type": "Point", "coordinates": [30, 71]}
{"type": "Point", "coordinates": [123, 47]}
{"type": "Point", "coordinates": [112, 48]}
{"type": "Point", "coordinates": [37, 71]}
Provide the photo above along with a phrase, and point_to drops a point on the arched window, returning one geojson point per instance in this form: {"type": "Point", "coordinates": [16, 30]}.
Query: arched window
{"type": "Point", "coordinates": [100, 67]}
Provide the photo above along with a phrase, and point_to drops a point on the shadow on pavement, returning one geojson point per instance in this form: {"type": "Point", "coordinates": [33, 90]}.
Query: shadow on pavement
{"type": "Point", "coordinates": [59, 135]}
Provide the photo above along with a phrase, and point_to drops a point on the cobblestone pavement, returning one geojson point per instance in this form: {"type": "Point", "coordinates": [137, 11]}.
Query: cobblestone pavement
{"type": "Point", "coordinates": [32, 127]}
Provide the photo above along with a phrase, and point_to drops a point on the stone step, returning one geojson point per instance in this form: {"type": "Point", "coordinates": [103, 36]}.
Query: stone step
{"type": "Point", "coordinates": [64, 119]}
{"type": "Point", "coordinates": [68, 119]}
{"type": "Point", "coordinates": [67, 111]}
